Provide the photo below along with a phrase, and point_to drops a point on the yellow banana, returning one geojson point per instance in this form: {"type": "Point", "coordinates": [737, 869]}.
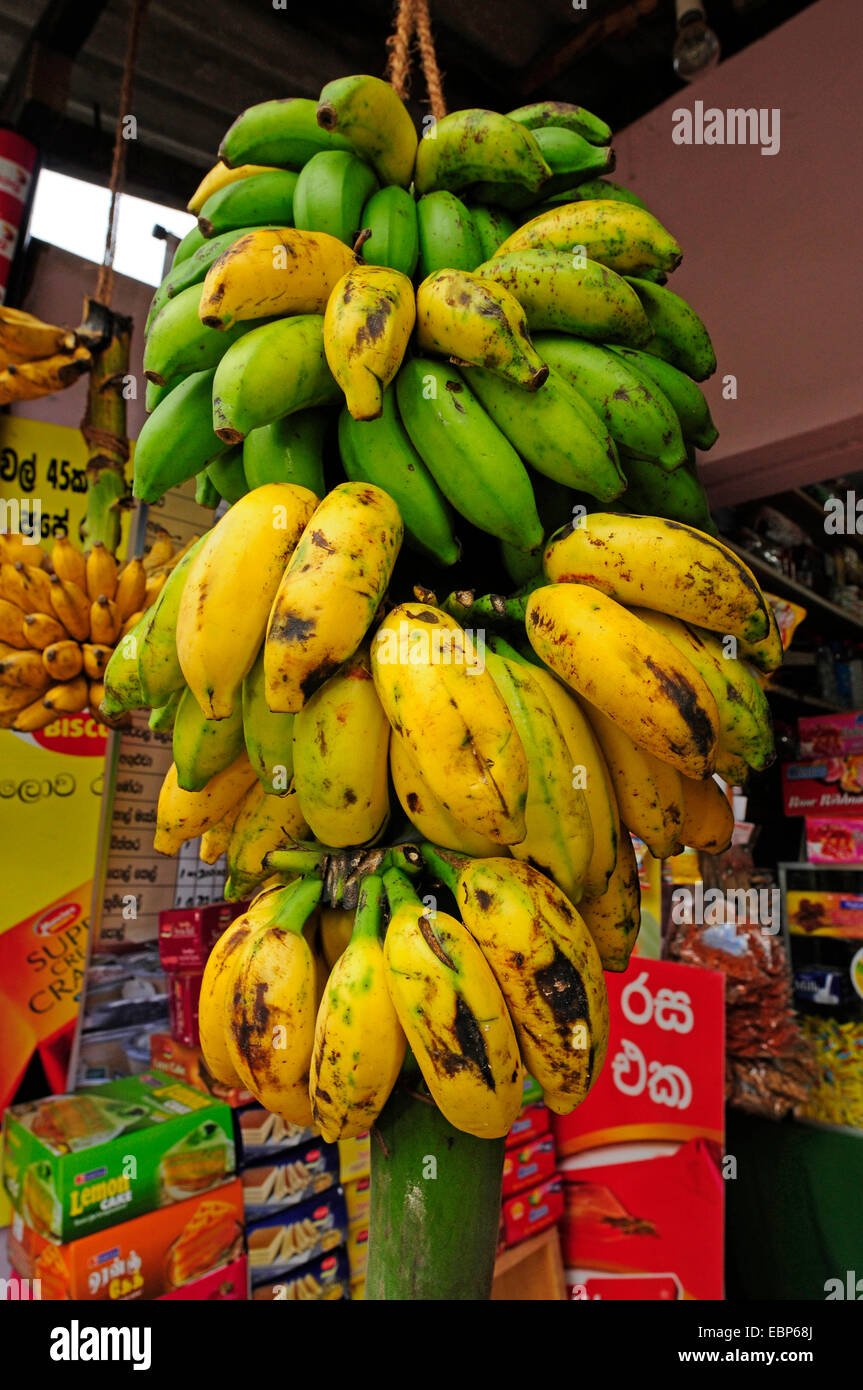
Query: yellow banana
{"type": "Point", "coordinates": [27, 585]}
{"type": "Point", "coordinates": [215, 841]}
{"type": "Point", "coordinates": [24, 668]}
{"type": "Point", "coordinates": [17, 546]}
{"type": "Point", "coordinates": [273, 272]}
{"type": "Point", "coordinates": [12, 625]}
{"type": "Point", "coordinates": [230, 587]}
{"type": "Point", "coordinates": [376, 122]}
{"type": "Point", "coordinates": [622, 236]}
{"type": "Point", "coordinates": [648, 791]}
{"type": "Point", "coordinates": [68, 697]}
{"type": "Point", "coordinates": [263, 823]}
{"type": "Point", "coordinates": [614, 917]}
{"type": "Point", "coordinates": [27, 381]}
{"type": "Point", "coordinates": [71, 607]}
{"type": "Point", "coordinates": [101, 571]}
{"type": "Point", "coordinates": [95, 696]}
{"type": "Point", "coordinates": [24, 337]}
{"type": "Point", "coordinates": [131, 590]}
{"type": "Point", "coordinates": [708, 820]}
{"type": "Point", "coordinates": [368, 320]}
{"type": "Point", "coordinates": [440, 699]}
{"type": "Point", "coordinates": [41, 629]}
{"type": "Point", "coordinates": [632, 674]}
{"type": "Point", "coordinates": [548, 969]}
{"type": "Point", "coordinates": [272, 1013]}
{"type": "Point", "coordinates": [559, 836]}
{"type": "Point", "coordinates": [337, 926]}
{"type": "Point", "coordinates": [105, 622]}
{"type": "Point", "coordinates": [13, 699]}
{"type": "Point", "coordinates": [426, 812]}
{"type": "Point", "coordinates": [33, 717]}
{"type": "Point", "coordinates": [330, 591]}
{"type": "Point", "coordinates": [183, 815]}
{"type": "Point", "coordinates": [219, 177]}
{"type": "Point", "coordinates": [660, 564]}
{"type": "Point", "coordinates": [359, 1043]}
{"type": "Point", "coordinates": [472, 320]}
{"type": "Point", "coordinates": [453, 1015]}
{"type": "Point", "coordinates": [160, 552]}
{"type": "Point", "coordinates": [68, 562]}
{"type": "Point", "coordinates": [64, 659]}
{"type": "Point", "coordinates": [340, 746]}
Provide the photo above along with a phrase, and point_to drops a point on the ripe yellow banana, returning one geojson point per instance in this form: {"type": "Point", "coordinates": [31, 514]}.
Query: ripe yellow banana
{"type": "Point", "coordinates": [131, 589]}
{"type": "Point", "coordinates": [105, 621]}
{"type": "Point", "coordinates": [559, 836]}
{"type": "Point", "coordinates": [664, 565]}
{"type": "Point", "coordinates": [219, 177]}
{"type": "Point", "coordinates": [33, 716]}
{"type": "Point", "coordinates": [368, 320]}
{"type": "Point", "coordinates": [648, 791]}
{"type": "Point", "coordinates": [183, 815]}
{"type": "Point", "coordinates": [24, 668]}
{"type": "Point", "coordinates": [614, 917]}
{"type": "Point", "coordinates": [215, 841]}
{"type": "Point", "coordinates": [626, 238]}
{"type": "Point", "coordinates": [41, 630]}
{"type": "Point", "coordinates": [14, 699]}
{"type": "Point", "coordinates": [263, 823]}
{"type": "Point", "coordinates": [477, 321]}
{"type": "Point", "coordinates": [453, 1015]}
{"type": "Point", "coordinates": [71, 607]}
{"type": "Point", "coordinates": [64, 659]}
{"type": "Point", "coordinates": [101, 572]}
{"type": "Point", "coordinates": [445, 705]}
{"type": "Point", "coordinates": [24, 337]}
{"type": "Point", "coordinates": [217, 988]}
{"type": "Point", "coordinates": [330, 591]}
{"type": "Point", "coordinates": [359, 1042]}
{"type": "Point", "coordinates": [229, 589]}
{"type": "Point", "coordinates": [634, 675]}
{"type": "Point", "coordinates": [68, 562]}
{"type": "Point", "coordinates": [340, 747]}
{"type": "Point", "coordinates": [426, 812]}
{"type": "Point", "coordinates": [12, 625]}
{"type": "Point", "coordinates": [548, 969]}
{"type": "Point", "coordinates": [272, 1011]}
{"type": "Point", "coordinates": [708, 820]}
{"type": "Point", "coordinates": [273, 272]}
{"type": "Point", "coordinates": [376, 122]}
{"type": "Point", "coordinates": [68, 697]}
{"type": "Point", "coordinates": [27, 381]}
{"type": "Point", "coordinates": [337, 927]}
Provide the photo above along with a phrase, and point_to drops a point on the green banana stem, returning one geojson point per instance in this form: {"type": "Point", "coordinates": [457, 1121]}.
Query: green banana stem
{"type": "Point", "coordinates": [297, 902]}
{"type": "Point", "coordinates": [104, 424]}
{"type": "Point", "coordinates": [399, 891]}
{"type": "Point", "coordinates": [369, 913]}
{"type": "Point", "coordinates": [444, 864]}
{"type": "Point", "coordinates": [294, 861]}
{"type": "Point", "coordinates": [406, 858]}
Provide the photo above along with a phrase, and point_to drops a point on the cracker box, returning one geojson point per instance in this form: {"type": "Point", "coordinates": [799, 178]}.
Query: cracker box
{"type": "Point", "coordinates": [533, 1121]}
{"type": "Point", "coordinates": [297, 1235]}
{"type": "Point", "coordinates": [326, 1278]}
{"type": "Point", "coordinates": [528, 1165]}
{"type": "Point", "coordinates": [531, 1212]}
{"type": "Point", "coordinates": [261, 1134]}
{"type": "Point", "coordinates": [230, 1284]}
{"type": "Point", "coordinates": [188, 934]}
{"type": "Point", "coordinates": [80, 1162]}
{"type": "Point", "coordinates": [146, 1258]}
{"type": "Point", "coordinates": [187, 1063]}
{"type": "Point", "coordinates": [291, 1177]}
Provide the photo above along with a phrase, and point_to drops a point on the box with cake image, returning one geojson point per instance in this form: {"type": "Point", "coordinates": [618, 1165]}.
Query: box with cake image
{"type": "Point", "coordinates": [148, 1257]}
{"type": "Point", "coordinates": [285, 1179]}
{"type": "Point", "coordinates": [78, 1163]}
{"type": "Point", "coordinates": [295, 1236]}
{"type": "Point", "coordinates": [325, 1278]}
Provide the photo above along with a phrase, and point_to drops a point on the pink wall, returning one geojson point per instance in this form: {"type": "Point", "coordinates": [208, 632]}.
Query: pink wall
{"type": "Point", "coordinates": [773, 248]}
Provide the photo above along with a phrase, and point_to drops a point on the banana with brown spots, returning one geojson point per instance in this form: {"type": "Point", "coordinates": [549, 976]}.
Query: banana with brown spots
{"type": "Point", "coordinates": [367, 323]}
{"type": "Point", "coordinates": [648, 791]}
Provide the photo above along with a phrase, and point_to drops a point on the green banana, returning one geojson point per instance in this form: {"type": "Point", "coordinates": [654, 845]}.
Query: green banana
{"type": "Point", "coordinates": [203, 747]}
{"type": "Point", "coordinates": [680, 337]}
{"type": "Point", "coordinates": [558, 290]}
{"type": "Point", "coordinates": [390, 218]}
{"type": "Point", "coordinates": [192, 270]}
{"type": "Point", "coordinates": [448, 239]}
{"type": "Point", "coordinates": [571, 158]}
{"type": "Point", "coordinates": [287, 451]}
{"type": "Point", "coordinates": [227, 476]}
{"type": "Point", "coordinates": [284, 134]}
{"type": "Point", "coordinates": [587, 191]}
{"type": "Point", "coordinates": [276, 369]}
{"type": "Point", "coordinates": [154, 395]}
{"type": "Point", "coordinates": [520, 565]}
{"type": "Point", "coordinates": [555, 431]}
{"type": "Point", "coordinates": [470, 146]}
{"type": "Point", "coordinates": [177, 439]}
{"type": "Point", "coordinates": [492, 226]}
{"type": "Point", "coordinates": [472, 462]}
{"type": "Point", "coordinates": [653, 491]}
{"type": "Point", "coordinates": [251, 202]}
{"type": "Point", "coordinates": [158, 665]}
{"type": "Point", "coordinates": [269, 736]}
{"type": "Point", "coordinates": [564, 115]}
{"type": "Point", "coordinates": [122, 683]}
{"type": "Point", "coordinates": [638, 418]}
{"type": "Point", "coordinates": [192, 241]}
{"type": "Point", "coordinates": [206, 494]}
{"type": "Point", "coordinates": [380, 452]}
{"type": "Point", "coordinates": [331, 192]}
{"type": "Point", "coordinates": [179, 344]}
{"type": "Point", "coordinates": [371, 115]}
{"type": "Point", "coordinates": [685, 395]}
{"type": "Point", "coordinates": [161, 721]}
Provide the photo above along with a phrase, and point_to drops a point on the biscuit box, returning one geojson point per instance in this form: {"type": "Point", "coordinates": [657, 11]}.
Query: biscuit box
{"type": "Point", "coordinates": [291, 1177]}
{"type": "Point", "coordinates": [261, 1133]}
{"type": "Point", "coordinates": [533, 1121]}
{"type": "Point", "coordinates": [326, 1278]}
{"type": "Point", "coordinates": [297, 1235]}
{"type": "Point", "coordinates": [229, 1284]}
{"type": "Point", "coordinates": [529, 1165]}
{"type": "Point", "coordinates": [176, 1059]}
{"type": "Point", "coordinates": [80, 1162]}
{"type": "Point", "coordinates": [533, 1211]}
{"type": "Point", "coordinates": [187, 935]}
{"type": "Point", "coordinates": [146, 1258]}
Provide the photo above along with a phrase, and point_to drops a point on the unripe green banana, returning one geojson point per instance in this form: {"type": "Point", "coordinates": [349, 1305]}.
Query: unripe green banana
{"type": "Point", "coordinates": [158, 665]}
{"type": "Point", "coordinates": [685, 395]}
{"type": "Point", "coordinates": [154, 395]}
{"type": "Point", "coordinates": [448, 239]}
{"type": "Point", "coordinates": [287, 451]}
{"type": "Point", "coordinates": [269, 736]}
{"type": "Point", "coordinates": [603, 188]}
{"type": "Point", "coordinates": [559, 290]}
{"type": "Point", "coordinates": [637, 417]}
{"type": "Point", "coordinates": [331, 192]}
{"type": "Point", "coordinates": [468, 146]}
{"type": "Point", "coordinates": [179, 344]}
{"type": "Point", "coordinates": [571, 158]}
{"type": "Point", "coordinates": [677, 496]}
{"type": "Point", "coordinates": [276, 369]}
{"type": "Point", "coordinates": [206, 494]}
{"type": "Point", "coordinates": [564, 115]}
{"type": "Point", "coordinates": [161, 721]}
{"type": "Point", "coordinates": [492, 226]}
{"type": "Point", "coordinates": [253, 202]}
{"type": "Point", "coordinates": [192, 241]}
{"type": "Point", "coordinates": [680, 337]}
{"type": "Point", "coordinates": [555, 431]}
{"type": "Point", "coordinates": [283, 134]}
{"type": "Point", "coordinates": [390, 218]}
{"type": "Point", "coordinates": [227, 476]}
{"type": "Point", "coordinates": [177, 439]}
{"type": "Point", "coordinates": [203, 747]}
{"type": "Point", "coordinates": [470, 459]}
{"type": "Point", "coordinates": [380, 452]}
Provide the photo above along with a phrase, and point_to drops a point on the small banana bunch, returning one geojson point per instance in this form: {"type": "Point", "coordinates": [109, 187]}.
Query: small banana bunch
{"type": "Point", "coordinates": [37, 358]}
{"type": "Point", "coordinates": [60, 624]}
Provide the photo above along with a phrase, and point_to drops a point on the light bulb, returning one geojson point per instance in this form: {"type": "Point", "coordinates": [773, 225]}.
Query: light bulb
{"type": "Point", "coordinates": [696, 49]}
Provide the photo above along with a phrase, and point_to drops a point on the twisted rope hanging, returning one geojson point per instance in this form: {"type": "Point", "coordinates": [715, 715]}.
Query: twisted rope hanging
{"type": "Point", "coordinates": [413, 24]}
{"type": "Point", "coordinates": [105, 282]}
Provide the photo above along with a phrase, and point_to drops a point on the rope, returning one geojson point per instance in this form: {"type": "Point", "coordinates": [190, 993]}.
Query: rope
{"type": "Point", "coordinates": [105, 282]}
{"type": "Point", "coordinates": [412, 24]}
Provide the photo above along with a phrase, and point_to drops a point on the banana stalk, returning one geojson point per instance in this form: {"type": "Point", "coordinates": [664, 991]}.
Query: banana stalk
{"type": "Point", "coordinates": [104, 425]}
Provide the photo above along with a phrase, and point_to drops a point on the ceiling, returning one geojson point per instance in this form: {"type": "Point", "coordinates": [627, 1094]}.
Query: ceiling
{"type": "Point", "coordinates": [203, 61]}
